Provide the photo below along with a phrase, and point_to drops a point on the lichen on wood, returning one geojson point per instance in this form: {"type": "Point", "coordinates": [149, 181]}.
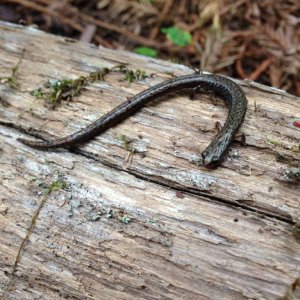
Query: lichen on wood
{"type": "Point", "coordinates": [83, 223]}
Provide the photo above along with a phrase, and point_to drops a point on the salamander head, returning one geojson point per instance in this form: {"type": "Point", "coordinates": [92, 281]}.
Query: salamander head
{"type": "Point", "coordinates": [210, 159]}
{"type": "Point", "coordinates": [213, 155]}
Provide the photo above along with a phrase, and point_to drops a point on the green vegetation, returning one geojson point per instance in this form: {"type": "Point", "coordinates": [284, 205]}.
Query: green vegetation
{"type": "Point", "coordinates": [177, 36]}
{"type": "Point", "coordinates": [12, 81]}
{"type": "Point", "coordinates": [56, 186]}
{"type": "Point", "coordinates": [125, 219]}
{"type": "Point", "coordinates": [146, 51]}
{"type": "Point", "coordinates": [131, 76]}
{"type": "Point", "coordinates": [125, 142]}
{"type": "Point", "coordinates": [55, 91]}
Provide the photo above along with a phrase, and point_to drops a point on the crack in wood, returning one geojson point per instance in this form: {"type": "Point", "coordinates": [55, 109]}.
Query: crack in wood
{"type": "Point", "coordinates": [190, 191]}
{"type": "Point", "coordinates": [195, 192]}
{"type": "Point", "coordinates": [23, 244]}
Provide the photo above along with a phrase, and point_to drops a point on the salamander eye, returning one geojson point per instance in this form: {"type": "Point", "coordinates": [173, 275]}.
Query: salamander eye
{"type": "Point", "coordinates": [215, 158]}
{"type": "Point", "coordinates": [205, 154]}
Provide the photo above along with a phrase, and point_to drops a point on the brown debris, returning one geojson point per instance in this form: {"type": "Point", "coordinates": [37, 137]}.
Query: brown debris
{"type": "Point", "coordinates": [258, 40]}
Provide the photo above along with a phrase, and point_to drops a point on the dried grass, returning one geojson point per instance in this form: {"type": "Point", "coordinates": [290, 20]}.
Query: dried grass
{"type": "Point", "coordinates": [254, 39]}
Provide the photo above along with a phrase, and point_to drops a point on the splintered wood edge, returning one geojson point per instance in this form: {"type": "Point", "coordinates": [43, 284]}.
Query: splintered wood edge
{"type": "Point", "coordinates": [130, 237]}
{"type": "Point", "coordinates": [93, 228]}
{"type": "Point", "coordinates": [251, 176]}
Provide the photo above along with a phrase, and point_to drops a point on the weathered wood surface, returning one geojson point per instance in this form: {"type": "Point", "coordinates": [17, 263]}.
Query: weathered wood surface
{"type": "Point", "coordinates": [194, 233]}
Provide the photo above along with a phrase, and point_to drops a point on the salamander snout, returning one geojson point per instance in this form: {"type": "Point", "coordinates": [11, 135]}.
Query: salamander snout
{"type": "Point", "coordinates": [210, 159]}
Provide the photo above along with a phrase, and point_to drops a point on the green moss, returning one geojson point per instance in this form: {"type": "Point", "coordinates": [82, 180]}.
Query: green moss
{"type": "Point", "coordinates": [64, 89]}
{"type": "Point", "coordinates": [273, 142]}
{"type": "Point", "coordinates": [125, 219]}
{"type": "Point", "coordinates": [281, 157]}
{"type": "Point", "coordinates": [93, 215]}
{"type": "Point", "coordinates": [152, 221]}
{"type": "Point", "coordinates": [55, 91]}
{"type": "Point", "coordinates": [110, 214]}
{"type": "Point", "coordinates": [131, 75]}
{"type": "Point", "coordinates": [38, 93]}
{"type": "Point", "coordinates": [292, 174]}
{"type": "Point", "coordinates": [12, 81]}
{"type": "Point", "coordinates": [119, 215]}
{"type": "Point", "coordinates": [56, 186]}
{"type": "Point", "coordinates": [125, 142]}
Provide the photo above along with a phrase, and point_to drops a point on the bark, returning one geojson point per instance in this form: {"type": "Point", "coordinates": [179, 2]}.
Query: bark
{"type": "Point", "coordinates": [130, 215]}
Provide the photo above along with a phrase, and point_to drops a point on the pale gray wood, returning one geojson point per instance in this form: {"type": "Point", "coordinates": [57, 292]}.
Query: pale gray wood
{"type": "Point", "coordinates": [194, 233]}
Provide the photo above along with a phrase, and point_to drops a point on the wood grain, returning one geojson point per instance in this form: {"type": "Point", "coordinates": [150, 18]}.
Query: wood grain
{"type": "Point", "coordinates": [157, 226]}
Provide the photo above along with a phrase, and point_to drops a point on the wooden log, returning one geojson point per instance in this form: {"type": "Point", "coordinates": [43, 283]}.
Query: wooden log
{"type": "Point", "coordinates": [130, 215]}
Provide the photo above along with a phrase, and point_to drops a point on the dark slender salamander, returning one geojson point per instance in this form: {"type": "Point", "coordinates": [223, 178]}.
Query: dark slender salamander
{"type": "Point", "coordinates": [212, 155]}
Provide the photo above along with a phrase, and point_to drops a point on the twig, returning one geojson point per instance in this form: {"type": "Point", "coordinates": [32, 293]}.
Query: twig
{"type": "Point", "coordinates": [84, 17]}
{"type": "Point", "coordinates": [167, 7]}
{"type": "Point", "coordinates": [260, 69]}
